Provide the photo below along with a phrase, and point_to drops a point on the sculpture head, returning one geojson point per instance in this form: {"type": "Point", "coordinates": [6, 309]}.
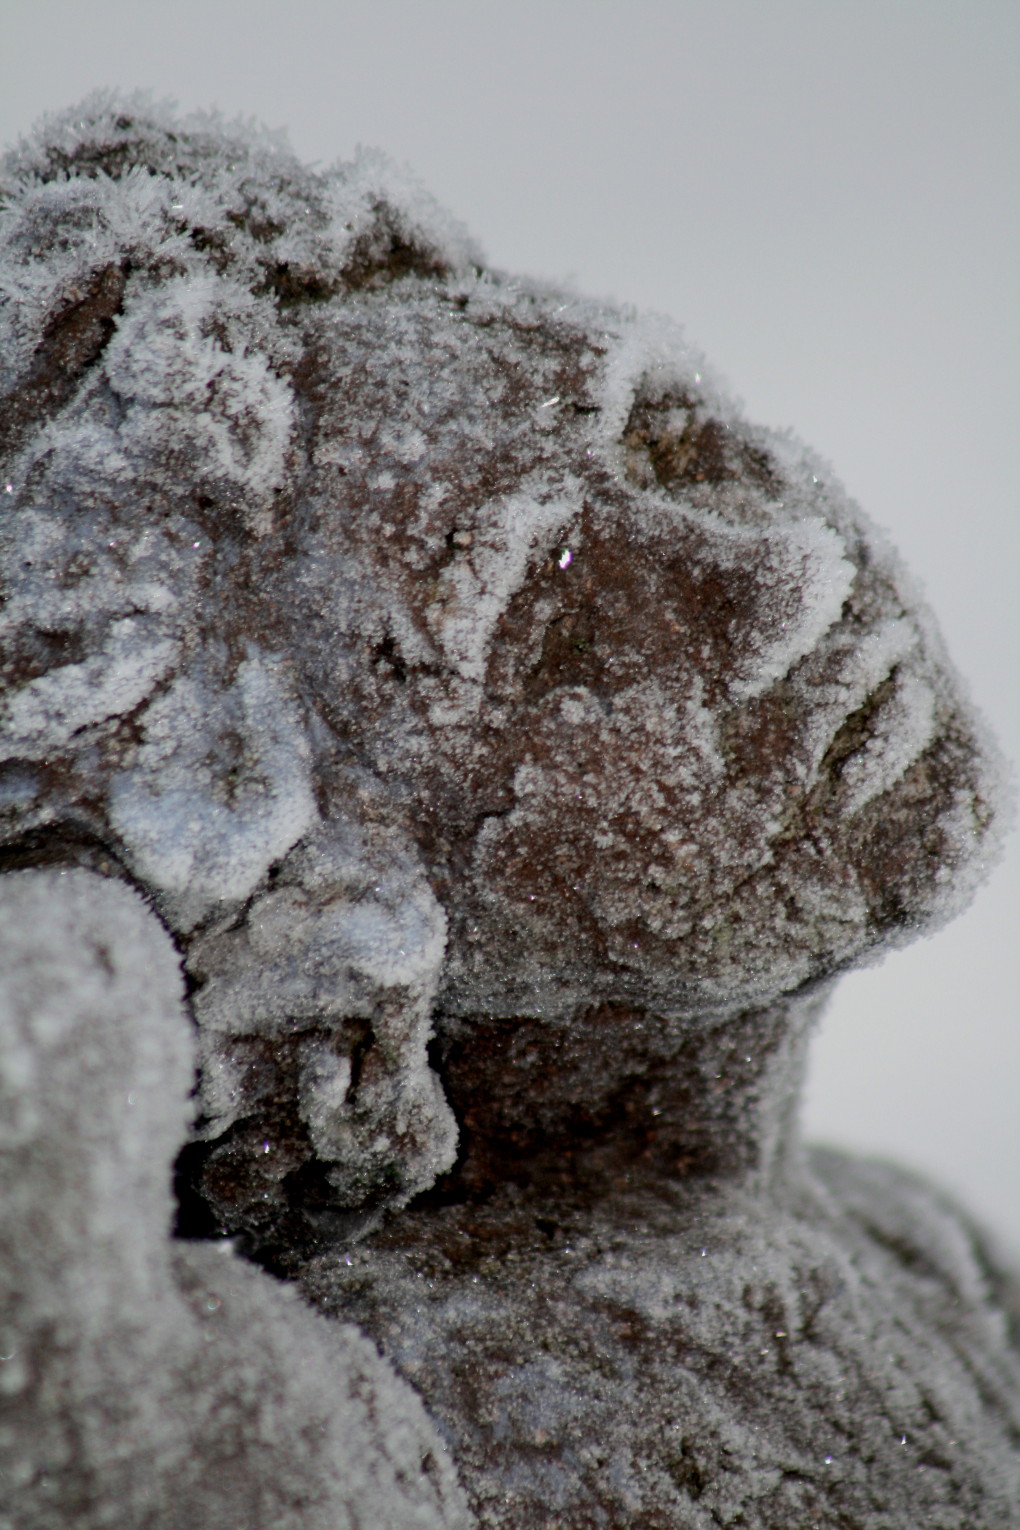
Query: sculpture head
{"type": "Point", "coordinates": [437, 651]}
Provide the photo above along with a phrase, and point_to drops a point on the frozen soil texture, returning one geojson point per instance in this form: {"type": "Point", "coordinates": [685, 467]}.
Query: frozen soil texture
{"type": "Point", "coordinates": [513, 743]}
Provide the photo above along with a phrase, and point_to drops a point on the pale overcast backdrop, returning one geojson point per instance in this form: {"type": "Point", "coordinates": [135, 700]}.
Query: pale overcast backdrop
{"type": "Point", "coordinates": [825, 192]}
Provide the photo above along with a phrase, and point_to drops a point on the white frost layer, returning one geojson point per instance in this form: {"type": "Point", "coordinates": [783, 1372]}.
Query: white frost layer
{"type": "Point", "coordinates": [317, 955]}
{"type": "Point", "coordinates": [209, 827]}
{"type": "Point", "coordinates": [809, 557]}
{"type": "Point", "coordinates": [356, 189]}
{"type": "Point", "coordinates": [43, 715]}
{"type": "Point", "coordinates": [358, 935]}
{"type": "Point", "coordinates": [186, 1390]}
{"type": "Point", "coordinates": [474, 590]}
{"type": "Point", "coordinates": [651, 350]}
{"type": "Point", "coordinates": [183, 358]}
{"type": "Point", "coordinates": [902, 731]}
{"type": "Point", "coordinates": [799, 551]}
{"type": "Point", "coordinates": [90, 1021]}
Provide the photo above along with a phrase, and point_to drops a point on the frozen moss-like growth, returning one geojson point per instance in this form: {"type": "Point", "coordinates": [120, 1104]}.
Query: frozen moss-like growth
{"type": "Point", "coordinates": [514, 742]}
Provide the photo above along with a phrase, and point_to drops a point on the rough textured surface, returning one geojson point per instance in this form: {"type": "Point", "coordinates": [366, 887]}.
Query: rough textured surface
{"type": "Point", "coordinates": [837, 1356]}
{"type": "Point", "coordinates": [142, 1386]}
{"type": "Point", "coordinates": [512, 740]}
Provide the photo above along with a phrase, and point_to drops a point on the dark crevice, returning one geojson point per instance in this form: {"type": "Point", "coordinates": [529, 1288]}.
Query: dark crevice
{"type": "Point", "coordinates": [539, 1107]}
{"type": "Point", "coordinates": [671, 443]}
{"type": "Point", "coordinates": [67, 845]}
{"type": "Point", "coordinates": [72, 341]}
{"type": "Point", "coordinates": [34, 651]}
{"type": "Point", "coordinates": [194, 1218]}
{"type": "Point", "coordinates": [387, 652]}
{"type": "Point", "coordinates": [386, 252]}
{"type": "Point", "coordinates": [260, 1180]}
{"type": "Point", "coordinates": [294, 286]}
{"type": "Point", "coordinates": [856, 730]}
{"type": "Point", "coordinates": [570, 656]}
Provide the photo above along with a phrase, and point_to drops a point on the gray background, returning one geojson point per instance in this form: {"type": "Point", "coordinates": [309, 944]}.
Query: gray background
{"type": "Point", "coordinates": [825, 193]}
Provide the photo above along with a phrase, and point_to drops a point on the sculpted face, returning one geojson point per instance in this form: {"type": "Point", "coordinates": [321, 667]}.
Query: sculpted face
{"type": "Point", "coordinates": [654, 703]}
{"type": "Point", "coordinates": [437, 652]}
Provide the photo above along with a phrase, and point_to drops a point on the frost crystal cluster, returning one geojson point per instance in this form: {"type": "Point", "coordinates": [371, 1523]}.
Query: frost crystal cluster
{"type": "Point", "coordinates": [510, 743]}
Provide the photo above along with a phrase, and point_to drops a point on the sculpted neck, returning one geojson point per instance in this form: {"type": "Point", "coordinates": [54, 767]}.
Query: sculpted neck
{"type": "Point", "coordinates": [619, 1094]}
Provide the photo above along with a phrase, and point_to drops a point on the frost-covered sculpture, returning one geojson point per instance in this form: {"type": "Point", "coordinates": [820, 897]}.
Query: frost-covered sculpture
{"type": "Point", "coordinates": [513, 742]}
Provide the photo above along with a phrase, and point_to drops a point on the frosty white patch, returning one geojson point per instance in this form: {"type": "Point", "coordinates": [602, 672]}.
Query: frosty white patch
{"type": "Point", "coordinates": [183, 361]}
{"type": "Point", "coordinates": [474, 589]}
{"type": "Point", "coordinates": [200, 822]}
{"type": "Point", "coordinates": [43, 715]}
